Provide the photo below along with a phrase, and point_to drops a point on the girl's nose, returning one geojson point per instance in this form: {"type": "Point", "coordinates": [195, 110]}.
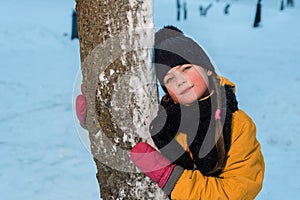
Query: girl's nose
{"type": "Point", "coordinates": [181, 79]}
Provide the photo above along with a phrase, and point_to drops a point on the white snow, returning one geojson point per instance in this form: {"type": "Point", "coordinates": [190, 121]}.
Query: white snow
{"type": "Point", "coordinates": [102, 77]}
{"type": "Point", "coordinates": [111, 72]}
{"type": "Point", "coordinates": [42, 152]}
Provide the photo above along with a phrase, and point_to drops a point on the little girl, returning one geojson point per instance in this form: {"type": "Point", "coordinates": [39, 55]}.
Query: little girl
{"type": "Point", "coordinates": [208, 147]}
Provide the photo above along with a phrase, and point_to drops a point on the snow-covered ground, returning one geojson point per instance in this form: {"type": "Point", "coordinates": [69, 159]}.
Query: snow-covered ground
{"type": "Point", "coordinates": [42, 156]}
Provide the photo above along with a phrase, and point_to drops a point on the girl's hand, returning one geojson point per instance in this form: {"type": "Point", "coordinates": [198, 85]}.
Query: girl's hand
{"type": "Point", "coordinates": [152, 163]}
{"type": "Point", "coordinates": [81, 109]}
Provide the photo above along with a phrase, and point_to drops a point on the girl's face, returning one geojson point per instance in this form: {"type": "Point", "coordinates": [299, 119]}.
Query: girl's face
{"type": "Point", "coordinates": [186, 83]}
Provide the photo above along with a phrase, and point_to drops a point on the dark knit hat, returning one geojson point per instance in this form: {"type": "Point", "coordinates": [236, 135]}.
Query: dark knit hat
{"type": "Point", "coordinates": [173, 48]}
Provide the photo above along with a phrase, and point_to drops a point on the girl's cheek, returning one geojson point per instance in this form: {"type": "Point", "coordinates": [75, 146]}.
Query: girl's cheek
{"type": "Point", "coordinates": [173, 95]}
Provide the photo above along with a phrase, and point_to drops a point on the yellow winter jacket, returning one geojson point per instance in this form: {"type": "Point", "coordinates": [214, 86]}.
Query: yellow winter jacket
{"type": "Point", "coordinates": [243, 173]}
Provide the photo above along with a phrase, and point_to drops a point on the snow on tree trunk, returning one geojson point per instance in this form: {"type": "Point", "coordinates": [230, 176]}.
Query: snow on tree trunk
{"type": "Point", "coordinates": [116, 38]}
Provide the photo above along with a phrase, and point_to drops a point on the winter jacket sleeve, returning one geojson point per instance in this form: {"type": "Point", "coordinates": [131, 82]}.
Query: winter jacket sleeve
{"type": "Point", "coordinates": [242, 176]}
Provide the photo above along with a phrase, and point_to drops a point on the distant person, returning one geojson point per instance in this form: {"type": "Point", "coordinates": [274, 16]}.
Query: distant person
{"type": "Point", "coordinates": [290, 3]}
{"type": "Point", "coordinates": [281, 5]}
{"type": "Point", "coordinates": [203, 10]}
{"type": "Point", "coordinates": [74, 34]}
{"type": "Point", "coordinates": [178, 9]}
{"type": "Point", "coordinates": [207, 145]}
{"type": "Point", "coordinates": [226, 9]}
{"type": "Point", "coordinates": [185, 11]}
{"type": "Point", "coordinates": [257, 14]}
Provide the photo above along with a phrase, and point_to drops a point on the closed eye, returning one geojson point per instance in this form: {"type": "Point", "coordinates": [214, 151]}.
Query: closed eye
{"type": "Point", "coordinates": [169, 80]}
{"type": "Point", "coordinates": [186, 67]}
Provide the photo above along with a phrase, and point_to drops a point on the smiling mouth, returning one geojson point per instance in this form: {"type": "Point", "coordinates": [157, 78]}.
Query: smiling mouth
{"type": "Point", "coordinates": [186, 90]}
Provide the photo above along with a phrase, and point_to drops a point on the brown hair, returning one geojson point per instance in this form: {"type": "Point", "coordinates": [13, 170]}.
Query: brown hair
{"type": "Point", "coordinates": [219, 137]}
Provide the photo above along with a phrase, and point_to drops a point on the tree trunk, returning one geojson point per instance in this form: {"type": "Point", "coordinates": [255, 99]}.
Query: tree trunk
{"type": "Point", "coordinates": [116, 38]}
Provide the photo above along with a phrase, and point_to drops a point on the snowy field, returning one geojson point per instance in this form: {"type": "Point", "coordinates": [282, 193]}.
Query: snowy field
{"type": "Point", "coordinates": [42, 156]}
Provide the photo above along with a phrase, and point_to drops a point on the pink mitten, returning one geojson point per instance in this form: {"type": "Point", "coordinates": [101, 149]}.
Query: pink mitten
{"type": "Point", "coordinates": [81, 110]}
{"type": "Point", "coordinates": [152, 163]}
